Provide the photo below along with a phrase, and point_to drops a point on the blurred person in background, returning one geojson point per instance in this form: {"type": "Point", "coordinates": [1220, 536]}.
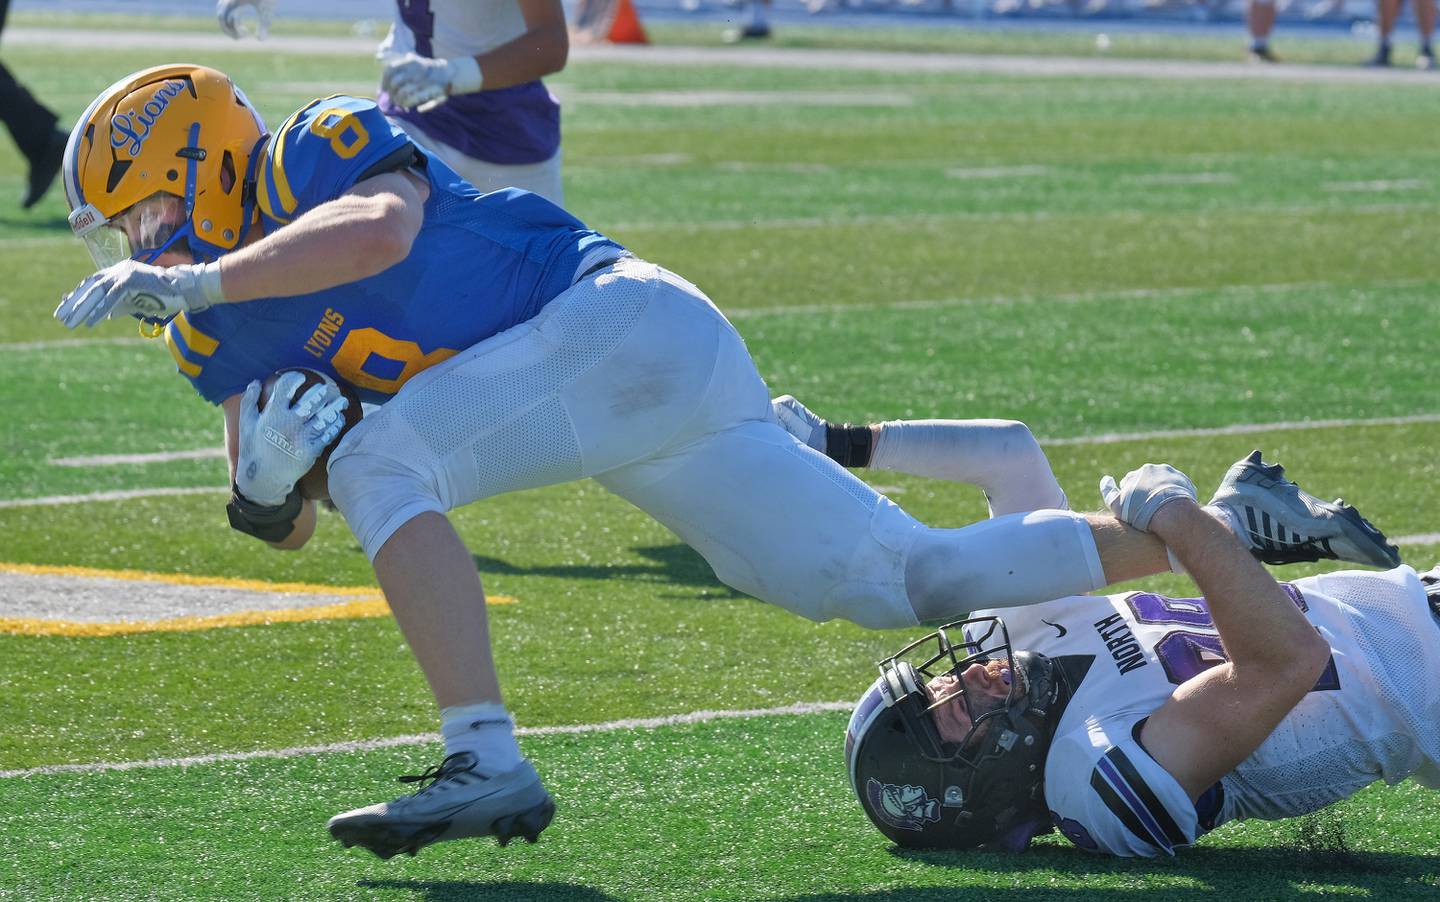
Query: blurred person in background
{"type": "Point", "coordinates": [757, 28]}
{"type": "Point", "coordinates": [463, 81]}
{"type": "Point", "coordinates": [34, 128]}
{"type": "Point", "coordinates": [1260, 20]}
{"type": "Point", "coordinates": [1387, 13]}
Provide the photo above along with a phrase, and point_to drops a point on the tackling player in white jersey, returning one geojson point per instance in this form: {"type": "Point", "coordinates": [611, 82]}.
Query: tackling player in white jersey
{"type": "Point", "coordinates": [1135, 723]}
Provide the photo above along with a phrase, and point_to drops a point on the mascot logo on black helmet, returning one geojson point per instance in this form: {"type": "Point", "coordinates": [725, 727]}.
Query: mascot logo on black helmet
{"type": "Point", "coordinates": [904, 807]}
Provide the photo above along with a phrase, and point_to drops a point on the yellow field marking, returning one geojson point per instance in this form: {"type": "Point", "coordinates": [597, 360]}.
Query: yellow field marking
{"type": "Point", "coordinates": [368, 602]}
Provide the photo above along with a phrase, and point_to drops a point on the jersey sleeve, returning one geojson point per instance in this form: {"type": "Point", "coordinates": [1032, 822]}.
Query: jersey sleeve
{"type": "Point", "coordinates": [321, 151]}
{"type": "Point", "coordinates": [199, 358]}
{"type": "Point", "coordinates": [1106, 794]}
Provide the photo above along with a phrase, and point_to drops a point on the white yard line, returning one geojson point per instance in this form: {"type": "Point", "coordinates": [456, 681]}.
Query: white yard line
{"type": "Point", "coordinates": [63, 39]}
{"type": "Point", "coordinates": [1108, 438]}
{"type": "Point", "coordinates": [1378, 185]}
{"type": "Point", "coordinates": [1073, 297]}
{"type": "Point", "coordinates": [119, 495]}
{"type": "Point", "coordinates": [365, 745]}
{"type": "Point", "coordinates": [65, 343]}
{"type": "Point", "coordinates": [812, 222]}
{"type": "Point", "coordinates": [125, 460]}
{"type": "Point", "coordinates": [1182, 178]}
{"type": "Point", "coordinates": [997, 172]}
{"type": "Point", "coordinates": [1423, 538]}
{"type": "Point", "coordinates": [693, 98]}
{"type": "Point", "coordinates": [1238, 429]}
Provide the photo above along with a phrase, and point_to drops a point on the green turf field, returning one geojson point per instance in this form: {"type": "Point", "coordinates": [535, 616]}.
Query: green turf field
{"type": "Point", "coordinates": [1094, 256]}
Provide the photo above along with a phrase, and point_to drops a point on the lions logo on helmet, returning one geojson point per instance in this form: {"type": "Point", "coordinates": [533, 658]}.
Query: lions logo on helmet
{"type": "Point", "coordinates": [163, 158]}
{"type": "Point", "coordinates": [925, 792]}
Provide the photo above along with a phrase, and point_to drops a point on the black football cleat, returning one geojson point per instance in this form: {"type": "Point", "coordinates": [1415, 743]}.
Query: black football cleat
{"type": "Point", "coordinates": [458, 802]}
{"type": "Point", "coordinates": [1284, 524]}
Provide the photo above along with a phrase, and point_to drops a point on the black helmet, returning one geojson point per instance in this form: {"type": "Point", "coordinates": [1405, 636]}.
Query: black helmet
{"type": "Point", "coordinates": [926, 793]}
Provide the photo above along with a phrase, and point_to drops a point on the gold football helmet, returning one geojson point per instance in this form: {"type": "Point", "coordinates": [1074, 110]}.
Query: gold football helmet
{"type": "Point", "coordinates": [164, 155]}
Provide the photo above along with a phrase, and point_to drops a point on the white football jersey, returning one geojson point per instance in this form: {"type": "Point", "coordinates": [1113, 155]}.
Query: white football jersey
{"type": "Point", "coordinates": [458, 27]}
{"type": "Point", "coordinates": [1374, 714]}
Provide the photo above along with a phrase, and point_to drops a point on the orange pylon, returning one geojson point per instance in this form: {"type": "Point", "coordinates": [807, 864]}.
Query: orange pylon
{"type": "Point", "coordinates": [626, 29]}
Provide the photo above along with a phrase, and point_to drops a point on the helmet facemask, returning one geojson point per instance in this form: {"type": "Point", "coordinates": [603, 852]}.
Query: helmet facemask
{"type": "Point", "coordinates": [142, 232]}
{"type": "Point", "coordinates": [986, 788]}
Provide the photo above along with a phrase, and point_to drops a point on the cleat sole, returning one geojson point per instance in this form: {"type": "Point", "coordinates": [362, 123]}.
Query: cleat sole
{"type": "Point", "coordinates": [528, 824]}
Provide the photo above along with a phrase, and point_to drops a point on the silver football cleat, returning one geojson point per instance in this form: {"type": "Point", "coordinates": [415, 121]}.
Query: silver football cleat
{"type": "Point", "coordinates": [458, 802]}
{"type": "Point", "coordinates": [1284, 524]}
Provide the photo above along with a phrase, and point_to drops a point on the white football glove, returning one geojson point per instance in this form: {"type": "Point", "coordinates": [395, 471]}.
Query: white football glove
{"type": "Point", "coordinates": [800, 422]}
{"type": "Point", "coordinates": [418, 81]}
{"type": "Point", "coordinates": [1143, 492]}
{"type": "Point", "coordinates": [131, 288]}
{"type": "Point", "coordinates": [228, 12]}
{"type": "Point", "coordinates": [281, 443]}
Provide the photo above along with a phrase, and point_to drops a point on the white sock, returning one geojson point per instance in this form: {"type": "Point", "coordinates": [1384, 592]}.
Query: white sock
{"type": "Point", "coordinates": [1231, 521]}
{"type": "Point", "coordinates": [486, 731]}
{"type": "Point", "coordinates": [999, 456]}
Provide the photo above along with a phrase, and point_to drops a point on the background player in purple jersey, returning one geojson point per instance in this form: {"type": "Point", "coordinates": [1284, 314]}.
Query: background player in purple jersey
{"type": "Point", "coordinates": [462, 77]}
{"type": "Point", "coordinates": [507, 346]}
{"type": "Point", "coordinates": [1136, 723]}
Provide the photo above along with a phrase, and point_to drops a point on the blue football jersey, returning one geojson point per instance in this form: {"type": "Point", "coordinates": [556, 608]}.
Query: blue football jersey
{"type": "Point", "coordinates": [480, 264]}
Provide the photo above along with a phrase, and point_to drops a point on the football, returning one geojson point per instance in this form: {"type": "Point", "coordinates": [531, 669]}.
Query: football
{"type": "Point", "coordinates": [315, 483]}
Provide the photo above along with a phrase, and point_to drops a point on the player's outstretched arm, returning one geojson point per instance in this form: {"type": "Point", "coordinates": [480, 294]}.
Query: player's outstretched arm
{"type": "Point", "coordinates": [1215, 720]}
{"type": "Point", "coordinates": [364, 231]}
{"type": "Point", "coordinates": [414, 81]}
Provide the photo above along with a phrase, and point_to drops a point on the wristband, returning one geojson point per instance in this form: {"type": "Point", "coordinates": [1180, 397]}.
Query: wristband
{"type": "Point", "coordinates": [847, 445]}
{"type": "Point", "coordinates": [465, 77]}
{"type": "Point", "coordinates": [209, 274]}
{"type": "Point", "coordinates": [271, 524]}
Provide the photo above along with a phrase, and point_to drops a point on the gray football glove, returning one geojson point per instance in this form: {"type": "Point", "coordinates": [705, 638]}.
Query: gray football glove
{"type": "Point", "coordinates": [281, 443]}
{"type": "Point", "coordinates": [800, 422]}
{"type": "Point", "coordinates": [419, 82]}
{"type": "Point", "coordinates": [138, 289]}
{"type": "Point", "coordinates": [1143, 492]}
{"type": "Point", "coordinates": [228, 12]}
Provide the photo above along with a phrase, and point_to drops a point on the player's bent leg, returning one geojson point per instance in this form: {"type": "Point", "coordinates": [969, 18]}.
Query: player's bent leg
{"type": "Point", "coordinates": [1002, 457]}
{"type": "Point", "coordinates": [1007, 561]}
{"type": "Point", "coordinates": [779, 521]}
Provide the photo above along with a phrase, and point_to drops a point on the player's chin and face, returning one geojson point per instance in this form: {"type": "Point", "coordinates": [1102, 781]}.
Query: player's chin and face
{"type": "Point", "coordinates": [986, 685]}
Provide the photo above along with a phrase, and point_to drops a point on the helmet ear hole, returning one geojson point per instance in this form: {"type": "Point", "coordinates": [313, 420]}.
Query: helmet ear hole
{"type": "Point", "coordinates": [227, 172]}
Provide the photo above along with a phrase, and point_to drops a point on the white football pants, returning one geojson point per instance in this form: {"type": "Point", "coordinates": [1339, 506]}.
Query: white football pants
{"type": "Point", "coordinates": [634, 378]}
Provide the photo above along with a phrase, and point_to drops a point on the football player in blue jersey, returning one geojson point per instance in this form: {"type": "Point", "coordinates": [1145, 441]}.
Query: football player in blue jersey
{"type": "Point", "coordinates": [505, 346]}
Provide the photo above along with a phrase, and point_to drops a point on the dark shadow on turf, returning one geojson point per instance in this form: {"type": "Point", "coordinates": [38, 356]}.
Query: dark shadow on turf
{"type": "Point", "coordinates": [442, 890]}
{"type": "Point", "coordinates": [676, 564]}
{"type": "Point", "coordinates": [1228, 874]}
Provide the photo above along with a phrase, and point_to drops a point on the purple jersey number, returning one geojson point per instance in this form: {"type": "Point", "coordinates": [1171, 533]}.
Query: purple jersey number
{"type": "Point", "coordinates": [420, 20]}
{"type": "Point", "coordinates": [1185, 653]}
